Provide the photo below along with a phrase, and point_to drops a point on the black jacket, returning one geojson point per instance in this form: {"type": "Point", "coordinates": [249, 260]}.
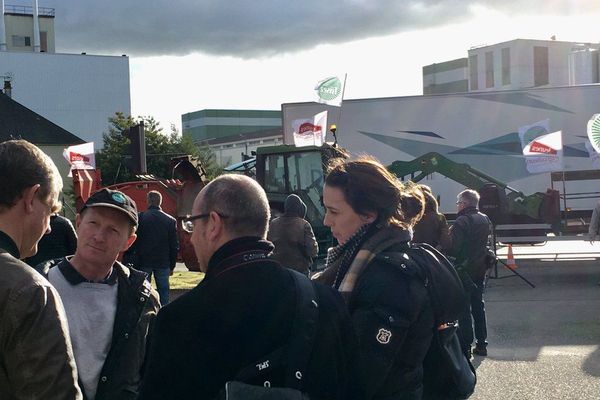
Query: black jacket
{"type": "Point", "coordinates": [137, 306]}
{"type": "Point", "coordinates": [240, 312]}
{"type": "Point", "coordinates": [393, 318]}
{"type": "Point", "coordinates": [156, 245]}
{"type": "Point", "coordinates": [469, 235]}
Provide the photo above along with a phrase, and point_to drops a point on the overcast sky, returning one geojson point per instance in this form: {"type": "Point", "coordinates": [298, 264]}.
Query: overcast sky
{"type": "Point", "coordinates": [261, 28]}
{"type": "Point", "coordinates": [187, 55]}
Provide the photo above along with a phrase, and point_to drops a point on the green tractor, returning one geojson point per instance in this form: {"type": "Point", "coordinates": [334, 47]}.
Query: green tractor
{"type": "Point", "coordinates": [286, 169]}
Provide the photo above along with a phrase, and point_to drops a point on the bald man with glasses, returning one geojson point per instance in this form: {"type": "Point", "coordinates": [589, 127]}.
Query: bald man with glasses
{"type": "Point", "coordinates": [243, 310]}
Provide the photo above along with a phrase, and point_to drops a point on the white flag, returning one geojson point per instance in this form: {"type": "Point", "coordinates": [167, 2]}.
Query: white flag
{"type": "Point", "coordinates": [80, 156]}
{"type": "Point", "coordinates": [594, 155]}
{"type": "Point", "coordinates": [544, 153]}
{"type": "Point", "coordinates": [310, 132]}
{"type": "Point", "coordinates": [331, 90]}
{"type": "Point", "coordinates": [529, 132]}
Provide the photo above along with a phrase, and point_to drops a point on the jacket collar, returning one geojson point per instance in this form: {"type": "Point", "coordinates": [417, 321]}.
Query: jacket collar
{"type": "Point", "coordinates": [9, 245]}
{"type": "Point", "coordinates": [468, 210]}
{"type": "Point", "coordinates": [238, 251]}
{"type": "Point", "coordinates": [74, 277]}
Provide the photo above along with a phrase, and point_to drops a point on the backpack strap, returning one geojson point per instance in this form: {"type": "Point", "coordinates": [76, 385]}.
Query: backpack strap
{"type": "Point", "coordinates": [438, 275]}
{"type": "Point", "coordinates": [296, 354]}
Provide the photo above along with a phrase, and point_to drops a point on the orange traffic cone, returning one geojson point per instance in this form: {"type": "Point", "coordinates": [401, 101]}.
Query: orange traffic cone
{"type": "Point", "coordinates": [510, 261]}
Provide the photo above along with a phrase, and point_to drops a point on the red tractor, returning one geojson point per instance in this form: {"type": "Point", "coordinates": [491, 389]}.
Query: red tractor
{"type": "Point", "coordinates": [178, 195]}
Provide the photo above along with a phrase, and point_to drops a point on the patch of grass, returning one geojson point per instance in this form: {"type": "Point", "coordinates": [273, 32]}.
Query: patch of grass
{"type": "Point", "coordinates": [183, 280]}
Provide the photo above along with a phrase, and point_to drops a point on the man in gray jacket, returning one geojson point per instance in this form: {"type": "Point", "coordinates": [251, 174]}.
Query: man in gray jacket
{"type": "Point", "coordinates": [470, 234]}
{"type": "Point", "coordinates": [36, 357]}
{"type": "Point", "coordinates": [293, 237]}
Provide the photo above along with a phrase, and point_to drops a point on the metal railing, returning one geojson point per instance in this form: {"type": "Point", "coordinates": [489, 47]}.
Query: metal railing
{"type": "Point", "coordinates": [28, 10]}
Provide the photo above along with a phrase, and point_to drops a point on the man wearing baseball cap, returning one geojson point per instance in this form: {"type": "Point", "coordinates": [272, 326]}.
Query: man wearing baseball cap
{"type": "Point", "coordinates": [110, 307]}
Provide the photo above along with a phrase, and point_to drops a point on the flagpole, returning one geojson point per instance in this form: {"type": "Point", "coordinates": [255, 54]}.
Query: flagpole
{"type": "Point", "coordinates": [342, 101]}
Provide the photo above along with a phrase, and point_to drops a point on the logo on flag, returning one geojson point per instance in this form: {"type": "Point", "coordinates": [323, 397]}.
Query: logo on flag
{"type": "Point", "coordinates": [593, 131]}
{"type": "Point", "coordinates": [310, 132]}
{"type": "Point", "coordinates": [330, 91]}
{"type": "Point", "coordinates": [537, 147]}
{"type": "Point", "coordinates": [76, 157]}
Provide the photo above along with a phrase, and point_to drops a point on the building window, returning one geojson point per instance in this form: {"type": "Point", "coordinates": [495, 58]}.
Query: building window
{"type": "Point", "coordinates": [473, 77]}
{"type": "Point", "coordinates": [43, 42]}
{"type": "Point", "coordinates": [21, 41]}
{"type": "Point", "coordinates": [489, 69]}
{"type": "Point", "coordinates": [506, 66]}
{"type": "Point", "coordinates": [540, 66]}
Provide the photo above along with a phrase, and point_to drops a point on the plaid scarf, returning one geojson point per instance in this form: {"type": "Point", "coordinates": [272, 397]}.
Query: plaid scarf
{"type": "Point", "coordinates": [346, 263]}
{"type": "Point", "coordinates": [342, 255]}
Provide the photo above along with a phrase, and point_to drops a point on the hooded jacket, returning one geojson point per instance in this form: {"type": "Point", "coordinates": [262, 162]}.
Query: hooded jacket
{"type": "Point", "coordinates": [293, 237]}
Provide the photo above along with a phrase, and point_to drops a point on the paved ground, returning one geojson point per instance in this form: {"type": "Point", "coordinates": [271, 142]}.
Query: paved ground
{"type": "Point", "coordinates": [543, 341]}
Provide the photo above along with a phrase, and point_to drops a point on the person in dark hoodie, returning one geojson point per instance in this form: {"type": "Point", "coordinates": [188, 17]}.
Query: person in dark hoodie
{"type": "Point", "coordinates": [293, 237]}
{"type": "Point", "coordinates": [60, 242]}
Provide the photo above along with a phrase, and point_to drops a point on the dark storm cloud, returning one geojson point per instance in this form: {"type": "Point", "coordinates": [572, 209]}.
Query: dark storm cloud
{"type": "Point", "coordinates": [257, 28]}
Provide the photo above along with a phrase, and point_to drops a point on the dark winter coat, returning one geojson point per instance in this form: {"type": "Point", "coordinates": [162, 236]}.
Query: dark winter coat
{"type": "Point", "coordinates": [393, 318]}
{"type": "Point", "coordinates": [469, 235]}
{"type": "Point", "coordinates": [432, 229]}
{"type": "Point", "coordinates": [157, 244]}
{"type": "Point", "coordinates": [390, 298]}
{"type": "Point", "coordinates": [293, 237]}
{"type": "Point", "coordinates": [240, 312]}
{"type": "Point", "coordinates": [137, 307]}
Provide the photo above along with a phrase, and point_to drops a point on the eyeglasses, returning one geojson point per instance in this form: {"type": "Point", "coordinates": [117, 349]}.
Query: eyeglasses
{"type": "Point", "coordinates": [187, 223]}
{"type": "Point", "coordinates": [460, 202]}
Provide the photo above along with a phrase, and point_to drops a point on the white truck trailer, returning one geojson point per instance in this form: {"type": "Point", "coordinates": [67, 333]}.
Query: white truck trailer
{"type": "Point", "coordinates": [480, 129]}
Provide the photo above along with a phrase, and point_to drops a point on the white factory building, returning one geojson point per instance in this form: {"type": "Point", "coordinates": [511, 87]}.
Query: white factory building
{"type": "Point", "coordinates": [78, 92]}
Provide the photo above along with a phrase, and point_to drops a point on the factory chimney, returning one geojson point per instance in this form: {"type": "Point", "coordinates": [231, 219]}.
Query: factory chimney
{"type": "Point", "coordinates": [2, 28]}
{"type": "Point", "coordinates": [36, 28]}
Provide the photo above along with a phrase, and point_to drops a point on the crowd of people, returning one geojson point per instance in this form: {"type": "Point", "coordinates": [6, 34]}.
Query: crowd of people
{"type": "Point", "coordinates": [87, 326]}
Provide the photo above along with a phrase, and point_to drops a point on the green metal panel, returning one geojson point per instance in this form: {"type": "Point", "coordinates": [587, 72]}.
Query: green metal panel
{"type": "Point", "coordinates": [228, 126]}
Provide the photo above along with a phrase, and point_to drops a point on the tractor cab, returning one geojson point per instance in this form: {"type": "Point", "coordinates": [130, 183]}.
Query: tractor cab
{"type": "Point", "coordinates": [286, 169]}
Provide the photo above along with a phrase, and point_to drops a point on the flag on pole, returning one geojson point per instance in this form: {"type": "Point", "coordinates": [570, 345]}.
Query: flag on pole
{"type": "Point", "coordinates": [544, 153]}
{"type": "Point", "coordinates": [529, 132]}
{"type": "Point", "coordinates": [330, 91]}
{"type": "Point", "coordinates": [310, 132]}
{"type": "Point", "coordinates": [80, 156]}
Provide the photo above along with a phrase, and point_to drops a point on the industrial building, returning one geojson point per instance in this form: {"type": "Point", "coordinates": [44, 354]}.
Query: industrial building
{"type": "Point", "coordinates": [516, 64]}
{"type": "Point", "coordinates": [232, 134]}
{"type": "Point", "coordinates": [77, 92]}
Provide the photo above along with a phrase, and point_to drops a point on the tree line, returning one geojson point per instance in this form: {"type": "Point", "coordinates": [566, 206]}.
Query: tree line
{"type": "Point", "coordinates": [160, 148]}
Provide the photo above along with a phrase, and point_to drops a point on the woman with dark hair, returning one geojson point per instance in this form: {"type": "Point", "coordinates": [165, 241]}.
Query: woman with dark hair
{"type": "Point", "coordinates": [370, 213]}
{"type": "Point", "coordinates": [433, 227]}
